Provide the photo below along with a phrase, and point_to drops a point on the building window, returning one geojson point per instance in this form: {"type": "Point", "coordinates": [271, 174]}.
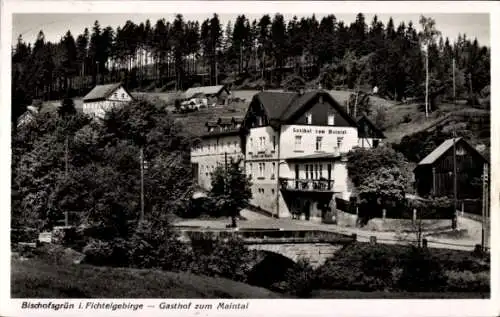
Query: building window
{"type": "Point", "coordinates": [123, 95]}
{"type": "Point", "coordinates": [320, 170]}
{"type": "Point", "coordinates": [331, 119]}
{"type": "Point", "coordinates": [262, 168]}
{"type": "Point", "coordinates": [311, 172]}
{"type": "Point", "coordinates": [250, 169]}
{"type": "Point", "coordinates": [273, 171]}
{"type": "Point", "coordinates": [274, 142]}
{"type": "Point", "coordinates": [251, 144]}
{"type": "Point", "coordinates": [309, 118]}
{"type": "Point", "coordinates": [339, 141]}
{"type": "Point", "coordinates": [272, 191]}
{"type": "Point", "coordinates": [319, 140]}
{"type": "Point", "coordinates": [307, 171]}
{"type": "Point", "coordinates": [235, 145]}
{"type": "Point", "coordinates": [298, 142]}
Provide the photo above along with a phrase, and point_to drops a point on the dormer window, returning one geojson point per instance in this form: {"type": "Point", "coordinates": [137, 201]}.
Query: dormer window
{"type": "Point", "coordinates": [331, 119]}
{"type": "Point", "coordinates": [309, 118]}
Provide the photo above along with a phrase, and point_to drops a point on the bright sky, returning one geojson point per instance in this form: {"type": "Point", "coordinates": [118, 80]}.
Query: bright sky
{"type": "Point", "coordinates": [54, 26]}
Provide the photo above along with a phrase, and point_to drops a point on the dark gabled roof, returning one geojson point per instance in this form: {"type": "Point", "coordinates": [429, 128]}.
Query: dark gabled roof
{"type": "Point", "coordinates": [282, 106]}
{"type": "Point", "coordinates": [101, 92]}
{"type": "Point", "coordinates": [275, 103]}
{"type": "Point", "coordinates": [299, 102]}
{"type": "Point", "coordinates": [444, 147]}
{"type": "Point", "coordinates": [377, 131]}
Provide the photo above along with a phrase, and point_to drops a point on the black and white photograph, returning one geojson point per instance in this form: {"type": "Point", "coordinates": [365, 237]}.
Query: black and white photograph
{"type": "Point", "coordinates": [238, 155]}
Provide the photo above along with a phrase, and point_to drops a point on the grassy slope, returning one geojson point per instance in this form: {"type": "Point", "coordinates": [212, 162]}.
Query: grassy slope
{"type": "Point", "coordinates": [35, 279]}
{"type": "Point", "coordinates": [397, 128]}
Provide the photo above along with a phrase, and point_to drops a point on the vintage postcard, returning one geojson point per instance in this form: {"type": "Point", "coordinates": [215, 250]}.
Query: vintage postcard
{"type": "Point", "coordinates": [249, 158]}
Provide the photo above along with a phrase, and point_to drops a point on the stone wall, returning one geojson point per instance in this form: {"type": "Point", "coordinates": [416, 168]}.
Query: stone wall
{"type": "Point", "coordinates": [317, 253]}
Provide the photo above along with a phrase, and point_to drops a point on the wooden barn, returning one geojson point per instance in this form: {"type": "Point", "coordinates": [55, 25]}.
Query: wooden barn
{"type": "Point", "coordinates": [434, 175]}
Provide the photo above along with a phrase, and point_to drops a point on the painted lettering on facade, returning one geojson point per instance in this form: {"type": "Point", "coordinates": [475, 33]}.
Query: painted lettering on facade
{"type": "Point", "coordinates": [319, 131]}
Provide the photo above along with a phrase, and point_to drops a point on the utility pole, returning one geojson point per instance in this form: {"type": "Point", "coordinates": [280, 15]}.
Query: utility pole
{"type": "Point", "coordinates": [142, 184]}
{"type": "Point", "coordinates": [66, 168]}
{"type": "Point", "coordinates": [454, 89]}
{"type": "Point", "coordinates": [485, 209]}
{"type": "Point", "coordinates": [454, 220]}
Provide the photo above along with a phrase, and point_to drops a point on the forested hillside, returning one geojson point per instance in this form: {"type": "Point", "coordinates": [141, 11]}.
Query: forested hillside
{"type": "Point", "coordinates": [265, 52]}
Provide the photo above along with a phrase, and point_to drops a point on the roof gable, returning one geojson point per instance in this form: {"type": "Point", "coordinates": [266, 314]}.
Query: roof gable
{"type": "Point", "coordinates": [364, 120]}
{"type": "Point", "coordinates": [438, 152]}
{"type": "Point", "coordinates": [101, 92]}
{"type": "Point", "coordinates": [275, 103]}
{"type": "Point", "coordinates": [305, 102]}
{"type": "Point", "coordinates": [284, 106]}
{"type": "Point", "coordinates": [204, 90]}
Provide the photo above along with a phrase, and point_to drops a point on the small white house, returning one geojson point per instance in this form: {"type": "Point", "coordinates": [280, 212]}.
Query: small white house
{"type": "Point", "coordinates": [103, 98]}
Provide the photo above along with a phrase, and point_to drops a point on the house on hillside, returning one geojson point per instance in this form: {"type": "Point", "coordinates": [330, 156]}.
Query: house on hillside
{"type": "Point", "coordinates": [369, 136]}
{"type": "Point", "coordinates": [103, 98]}
{"type": "Point", "coordinates": [210, 95]}
{"type": "Point", "coordinates": [220, 143]}
{"type": "Point", "coordinates": [434, 174]}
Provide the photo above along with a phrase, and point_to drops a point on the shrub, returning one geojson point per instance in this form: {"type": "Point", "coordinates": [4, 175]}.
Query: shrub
{"type": "Point", "coordinates": [154, 244]}
{"type": "Point", "coordinates": [106, 253]}
{"type": "Point", "coordinates": [467, 281]}
{"type": "Point", "coordinates": [57, 254]}
{"type": "Point", "coordinates": [360, 267]}
{"type": "Point", "coordinates": [23, 235]}
{"type": "Point", "coordinates": [228, 258]}
{"type": "Point", "coordinates": [301, 280]}
{"type": "Point", "coordinates": [421, 272]}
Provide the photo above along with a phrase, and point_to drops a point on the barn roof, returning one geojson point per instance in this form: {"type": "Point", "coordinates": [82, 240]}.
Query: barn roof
{"type": "Point", "coordinates": [101, 92]}
{"type": "Point", "coordinates": [438, 152]}
{"type": "Point", "coordinates": [205, 90]}
{"type": "Point", "coordinates": [444, 147]}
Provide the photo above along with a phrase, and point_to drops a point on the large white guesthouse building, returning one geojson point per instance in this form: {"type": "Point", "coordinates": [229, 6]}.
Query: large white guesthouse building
{"type": "Point", "coordinates": [294, 147]}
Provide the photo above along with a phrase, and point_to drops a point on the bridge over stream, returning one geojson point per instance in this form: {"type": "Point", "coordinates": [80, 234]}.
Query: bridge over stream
{"type": "Point", "coordinates": [314, 245]}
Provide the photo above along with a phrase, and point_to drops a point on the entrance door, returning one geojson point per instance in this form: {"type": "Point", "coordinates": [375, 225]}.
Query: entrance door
{"type": "Point", "coordinates": [307, 209]}
{"type": "Point", "coordinates": [296, 176]}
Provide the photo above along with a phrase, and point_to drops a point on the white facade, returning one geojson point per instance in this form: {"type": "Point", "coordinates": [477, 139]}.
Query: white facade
{"type": "Point", "coordinates": [261, 164]}
{"type": "Point", "coordinates": [300, 140]}
{"type": "Point", "coordinates": [99, 108]}
{"type": "Point", "coordinates": [212, 152]}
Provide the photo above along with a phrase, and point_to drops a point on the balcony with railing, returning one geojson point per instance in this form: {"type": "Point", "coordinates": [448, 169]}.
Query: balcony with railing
{"type": "Point", "coordinates": [318, 185]}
